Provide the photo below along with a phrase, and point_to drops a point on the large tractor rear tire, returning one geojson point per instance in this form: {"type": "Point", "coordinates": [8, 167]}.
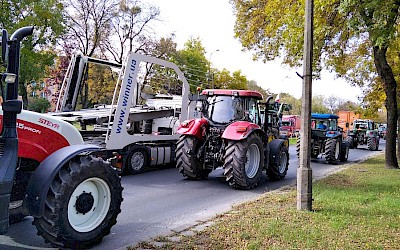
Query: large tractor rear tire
{"type": "Point", "coordinates": [279, 158]}
{"type": "Point", "coordinates": [332, 150]}
{"type": "Point", "coordinates": [186, 161]}
{"type": "Point", "coordinates": [244, 162]}
{"type": "Point", "coordinates": [82, 204]}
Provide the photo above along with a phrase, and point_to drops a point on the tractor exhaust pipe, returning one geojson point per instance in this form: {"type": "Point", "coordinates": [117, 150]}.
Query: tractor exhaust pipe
{"type": "Point", "coordinates": [11, 107]}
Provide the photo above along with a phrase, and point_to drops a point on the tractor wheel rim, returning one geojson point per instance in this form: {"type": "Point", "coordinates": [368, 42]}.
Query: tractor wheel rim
{"type": "Point", "coordinates": [252, 161]}
{"type": "Point", "coordinates": [137, 160]}
{"type": "Point", "coordinates": [283, 163]}
{"type": "Point", "coordinates": [89, 204]}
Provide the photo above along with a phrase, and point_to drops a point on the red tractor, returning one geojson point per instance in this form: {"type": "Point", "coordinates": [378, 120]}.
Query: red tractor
{"type": "Point", "coordinates": [234, 133]}
{"type": "Point", "coordinates": [47, 170]}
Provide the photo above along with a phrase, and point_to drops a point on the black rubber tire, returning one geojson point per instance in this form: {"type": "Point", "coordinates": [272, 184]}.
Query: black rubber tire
{"type": "Point", "coordinates": [344, 154]}
{"type": "Point", "coordinates": [298, 147]}
{"type": "Point", "coordinates": [279, 152]}
{"type": "Point", "coordinates": [332, 150]}
{"type": "Point", "coordinates": [55, 224]}
{"type": "Point", "coordinates": [350, 140]}
{"type": "Point", "coordinates": [371, 143]}
{"type": "Point", "coordinates": [137, 161]}
{"type": "Point", "coordinates": [186, 161]}
{"type": "Point", "coordinates": [235, 162]}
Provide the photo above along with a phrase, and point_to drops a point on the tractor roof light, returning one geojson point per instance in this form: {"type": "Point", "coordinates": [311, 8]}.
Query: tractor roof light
{"type": "Point", "coordinates": [9, 78]}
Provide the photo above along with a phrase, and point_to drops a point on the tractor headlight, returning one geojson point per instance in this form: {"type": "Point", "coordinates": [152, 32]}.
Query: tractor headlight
{"type": "Point", "coordinates": [9, 78]}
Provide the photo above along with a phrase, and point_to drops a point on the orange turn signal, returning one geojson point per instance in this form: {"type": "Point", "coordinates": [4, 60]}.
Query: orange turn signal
{"type": "Point", "coordinates": [241, 129]}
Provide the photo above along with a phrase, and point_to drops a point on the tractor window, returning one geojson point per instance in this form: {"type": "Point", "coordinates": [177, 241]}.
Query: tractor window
{"type": "Point", "coordinates": [224, 109]}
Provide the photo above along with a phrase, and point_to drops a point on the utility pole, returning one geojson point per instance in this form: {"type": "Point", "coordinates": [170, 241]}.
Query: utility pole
{"type": "Point", "coordinates": [211, 77]}
{"type": "Point", "coordinates": [304, 171]}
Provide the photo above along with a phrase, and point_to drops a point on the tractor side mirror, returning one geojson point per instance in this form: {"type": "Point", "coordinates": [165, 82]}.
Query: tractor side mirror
{"type": "Point", "coordinates": [4, 46]}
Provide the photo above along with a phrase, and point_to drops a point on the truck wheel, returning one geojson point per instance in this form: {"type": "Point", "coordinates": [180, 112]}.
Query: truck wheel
{"type": "Point", "coordinates": [137, 161]}
{"type": "Point", "coordinates": [186, 161]}
{"type": "Point", "coordinates": [332, 151]}
{"type": "Point", "coordinates": [350, 140]}
{"type": "Point", "coordinates": [371, 143]}
{"type": "Point", "coordinates": [344, 154]}
{"type": "Point", "coordinates": [82, 204]}
{"type": "Point", "coordinates": [298, 147]}
{"type": "Point", "coordinates": [244, 162]}
{"type": "Point", "coordinates": [278, 168]}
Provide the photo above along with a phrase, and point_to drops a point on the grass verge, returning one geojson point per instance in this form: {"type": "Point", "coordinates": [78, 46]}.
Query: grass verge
{"type": "Point", "coordinates": [357, 208]}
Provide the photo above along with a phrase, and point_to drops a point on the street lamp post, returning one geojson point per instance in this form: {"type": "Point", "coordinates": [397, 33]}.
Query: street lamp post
{"type": "Point", "coordinates": [211, 77]}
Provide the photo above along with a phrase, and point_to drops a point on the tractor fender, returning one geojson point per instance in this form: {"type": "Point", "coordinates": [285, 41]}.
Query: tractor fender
{"type": "Point", "coordinates": [274, 147]}
{"type": "Point", "coordinates": [193, 127]}
{"type": "Point", "coordinates": [240, 130]}
{"type": "Point", "coordinates": [41, 179]}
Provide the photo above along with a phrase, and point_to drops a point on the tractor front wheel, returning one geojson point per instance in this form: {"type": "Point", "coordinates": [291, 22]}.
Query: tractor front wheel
{"type": "Point", "coordinates": [279, 158]}
{"type": "Point", "coordinates": [82, 204]}
{"type": "Point", "coordinates": [298, 147]}
{"type": "Point", "coordinates": [244, 162]}
{"type": "Point", "coordinates": [186, 159]}
{"type": "Point", "coordinates": [372, 143]}
{"type": "Point", "coordinates": [332, 151]}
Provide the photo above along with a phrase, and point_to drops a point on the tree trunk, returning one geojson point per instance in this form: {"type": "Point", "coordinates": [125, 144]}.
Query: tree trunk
{"type": "Point", "coordinates": [398, 136]}
{"type": "Point", "coordinates": [389, 84]}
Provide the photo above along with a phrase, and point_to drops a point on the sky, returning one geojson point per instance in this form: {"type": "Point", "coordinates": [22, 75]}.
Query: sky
{"type": "Point", "coordinates": [213, 21]}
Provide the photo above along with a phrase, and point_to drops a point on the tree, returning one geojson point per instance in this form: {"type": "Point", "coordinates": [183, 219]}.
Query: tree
{"type": "Point", "coordinates": [295, 103]}
{"type": "Point", "coordinates": [318, 105]}
{"type": "Point", "coordinates": [252, 85]}
{"type": "Point", "coordinates": [344, 30]}
{"type": "Point", "coordinates": [192, 61]}
{"type": "Point", "coordinates": [129, 29]}
{"type": "Point", "coordinates": [39, 50]}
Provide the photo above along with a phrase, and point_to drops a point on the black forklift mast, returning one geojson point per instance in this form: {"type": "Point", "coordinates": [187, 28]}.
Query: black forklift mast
{"type": "Point", "coordinates": [11, 107]}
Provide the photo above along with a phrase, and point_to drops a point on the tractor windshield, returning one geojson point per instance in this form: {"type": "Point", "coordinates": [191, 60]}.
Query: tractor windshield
{"type": "Point", "coordinates": [224, 109]}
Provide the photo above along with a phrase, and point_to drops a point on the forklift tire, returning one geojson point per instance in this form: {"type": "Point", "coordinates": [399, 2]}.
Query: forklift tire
{"type": "Point", "coordinates": [244, 162]}
{"type": "Point", "coordinates": [279, 160]}
{"type": "Point", "coordinates": [332, 150]}
{"type": "Point", "coordinates": [186, 160]}
{"type": "Point", "coordinates": [137, 160]}
{"type": "Point", "coordinates": [82, 204]}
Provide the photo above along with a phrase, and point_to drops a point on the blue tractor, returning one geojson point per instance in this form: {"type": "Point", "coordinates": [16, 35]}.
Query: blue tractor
{"type": "Point", "coordinates": [327, 139]}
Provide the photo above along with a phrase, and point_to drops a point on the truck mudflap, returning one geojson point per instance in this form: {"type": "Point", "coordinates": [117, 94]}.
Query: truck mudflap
{"type": "Point", "coordinates": [41, 179]}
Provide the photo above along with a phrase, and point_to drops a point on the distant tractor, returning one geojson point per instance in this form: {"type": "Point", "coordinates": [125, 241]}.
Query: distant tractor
{"type": "Point", "coordinates": [364, 132]}
{"type": "Point", "coordinates": [326, 139]}
{"type": "Point", "coordinates": [233, 134]}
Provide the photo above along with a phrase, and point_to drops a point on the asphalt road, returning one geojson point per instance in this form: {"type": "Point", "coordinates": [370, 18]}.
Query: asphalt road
{"type": "Point", "coordinates": [159, 202]}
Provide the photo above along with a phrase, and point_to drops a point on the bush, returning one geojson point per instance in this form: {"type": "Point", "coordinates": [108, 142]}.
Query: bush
{"type": "Point", "coordinates": [40, 105]}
